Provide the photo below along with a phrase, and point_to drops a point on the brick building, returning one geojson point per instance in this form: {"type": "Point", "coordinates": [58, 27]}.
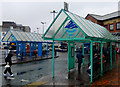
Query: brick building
{"type": "Point", "coordinates": [110, 21]}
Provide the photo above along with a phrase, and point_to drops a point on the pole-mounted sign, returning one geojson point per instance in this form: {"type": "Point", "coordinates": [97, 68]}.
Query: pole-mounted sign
{"type": "Point", "coordinates": [65, 6]}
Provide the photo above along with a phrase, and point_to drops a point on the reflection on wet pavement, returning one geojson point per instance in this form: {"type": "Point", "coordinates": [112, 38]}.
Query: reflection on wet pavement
{"type": "Point", "coordinates": [111, 78]}
{"type": "Point", "coordinates": [40, 73]}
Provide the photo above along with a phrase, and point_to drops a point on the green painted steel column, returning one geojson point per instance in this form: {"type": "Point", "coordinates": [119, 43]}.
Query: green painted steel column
{"type": "Point", "coordinates": [101, 59]}
{"type": "Point", "coordinates": [16, 50]}
{"type": "Point", "coordinates": [91, 60]}
{"type": "Point", "coordinates": [110, 55]}
{"type": "Point", "coordinates": [68, 54]}
{"type": "Point", "coordinates": [53, 60]}
{"type": "Point", "coordinates": [115, 52]}
{"type": "Point", "coordinates": [47, 50]}
{"type": "Point", "coordinates": [83, 55]}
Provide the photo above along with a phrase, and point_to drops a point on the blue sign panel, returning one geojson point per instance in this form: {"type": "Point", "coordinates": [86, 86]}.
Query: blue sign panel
{"type": "Point", "coordinates": [71, 28]}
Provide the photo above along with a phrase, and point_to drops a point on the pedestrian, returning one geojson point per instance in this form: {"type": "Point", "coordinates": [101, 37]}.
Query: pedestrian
{"type": "Point", "coordinates": [8, 65]}
{"type": "Point", "coordinates": [35, 53]}
{"type": "Point", "coordinates": [79, 57]}
{"type": "Point", "coordinates": [55, 51]}
{"type": "Point", "coordinates": [95, 64]}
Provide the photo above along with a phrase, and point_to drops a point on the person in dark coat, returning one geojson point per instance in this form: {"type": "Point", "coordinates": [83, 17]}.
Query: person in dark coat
{"type": "Point", "coordinates": [79, 57]}
{"type": "Point", "coordinates": [8, 62]}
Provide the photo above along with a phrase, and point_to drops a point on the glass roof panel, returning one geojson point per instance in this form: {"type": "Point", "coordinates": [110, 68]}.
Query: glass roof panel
{"type": "Point", "coordinates": [80, 24]}
{"type": "Point", "coordinates": [7, 36]}
{"type": "Point", "coordinates": [56, 25]}
{"type": "Point", "coordinates": [96, 28]}
{"type": "Point", "coordinates": [12, 38]}
{"type": "Point", "coordinates": [34, 38]}
{"type": "Point", "coordinates": [82, 27]}
{"type": "Point", "coordinates": [85, 24]}
{"type": "Point", "coordinates": [36, 35]}
{"type": "Point", "coordinates": [62, 31]}
{"type": "Point", "coordinates": [29, 35]}
{"type": "Point", "coordinates": [68, 30]}
{"type": "Point", "coordinates": [80, 35]}
{"type": "Point", "coordinates": [39, 37]}
{"type": "Point", "coordinates": [20, 35]}
{"type": "Point", "coordinates": [16, 35]}
{"type": "Point", "coordinates": [25, 36]}
{"type": "Point", "coordinates": [91, 27]}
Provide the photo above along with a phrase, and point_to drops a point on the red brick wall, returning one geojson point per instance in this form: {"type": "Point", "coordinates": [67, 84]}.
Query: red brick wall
{"type": "Point", "coordinates": [114, 27]}
{"type": "Point", "coordinates": [89, 17]}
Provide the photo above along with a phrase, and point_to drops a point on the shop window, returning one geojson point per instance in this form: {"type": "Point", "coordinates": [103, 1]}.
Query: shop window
{"type": "Point", "coordinates": [118, 26]}
{"type": "Point", "coordinates": [111, 27]}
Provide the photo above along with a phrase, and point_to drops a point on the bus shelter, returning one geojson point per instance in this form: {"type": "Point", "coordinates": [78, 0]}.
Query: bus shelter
{"type": "Point", "coordinates": [72, 28]}
{"type": "Point", "coordinates": [26, 43]}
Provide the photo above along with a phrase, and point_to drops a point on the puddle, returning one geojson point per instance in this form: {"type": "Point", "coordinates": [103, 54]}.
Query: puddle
{"type": "Point", "coordinates": [23, 80]}
{"type": "Point", "coordinates": [31, 70]}
{"type": "Point", "coordinates": [39, 68]}
{"type": "Point", "coordinates": [20, 73]}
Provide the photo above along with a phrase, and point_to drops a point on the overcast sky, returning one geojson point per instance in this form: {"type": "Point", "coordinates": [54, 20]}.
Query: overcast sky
{"type": "Point", "coordinates": [31, 13]}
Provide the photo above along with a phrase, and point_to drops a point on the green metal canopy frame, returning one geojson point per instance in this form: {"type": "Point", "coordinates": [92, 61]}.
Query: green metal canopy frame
{"type": "Point", "coordinates": [86, 30]}
{"type": "Point", "coordinates": [71, 27]}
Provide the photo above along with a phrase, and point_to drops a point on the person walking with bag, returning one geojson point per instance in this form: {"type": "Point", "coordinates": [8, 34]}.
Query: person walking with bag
{"type": "Point", "coordinates": [79, 57]}
{"type": "Point", "coordinates": [8, 65]}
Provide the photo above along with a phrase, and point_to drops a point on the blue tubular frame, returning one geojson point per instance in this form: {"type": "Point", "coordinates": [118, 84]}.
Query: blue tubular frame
{"type": "Point", "coordinates": [17, 50]}
{"type": "Point", "coordinates": [30, 50]}
{"type": "Point", "coordinates": [16, 37]}
{"type": "Point", "coordinates": [21, 51]}
{"type": "Point", "coordinates": [40, 49]}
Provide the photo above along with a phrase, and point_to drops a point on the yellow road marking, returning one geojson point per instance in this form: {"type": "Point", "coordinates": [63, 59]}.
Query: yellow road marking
{"type": "Point", "coordinates": [35, 84]}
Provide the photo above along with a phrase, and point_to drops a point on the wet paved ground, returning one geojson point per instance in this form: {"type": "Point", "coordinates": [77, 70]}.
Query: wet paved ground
{"type": "Point", "coordinates": [3, 54]}
{"type": "Point", "coordinates": [30, 72]}
{"type": "Point", "coordinates": [40, 73]}
{"type": "Point", "coordinates": [112, 77]}
{"type": "Point", "coordinates": [73, 79]}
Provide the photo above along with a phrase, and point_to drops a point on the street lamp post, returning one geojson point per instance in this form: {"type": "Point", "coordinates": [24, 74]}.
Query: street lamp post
{"type": "Point", "coordinates": [43, 25]}
{"type": "Point", "coordinates": [38, 30]}
{"type": "Point", "coordinates": [53, 12]}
